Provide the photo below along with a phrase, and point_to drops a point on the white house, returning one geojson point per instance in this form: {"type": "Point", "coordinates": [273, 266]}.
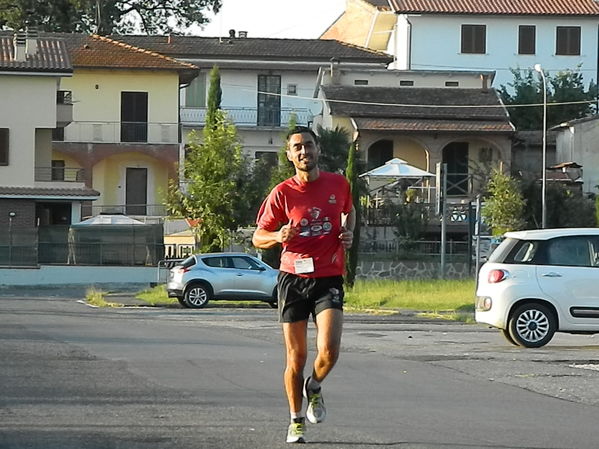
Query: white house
{"type": "Point", "coordinates": [264, 81]}
{"type": "Point", "coordinates": [478, 34]}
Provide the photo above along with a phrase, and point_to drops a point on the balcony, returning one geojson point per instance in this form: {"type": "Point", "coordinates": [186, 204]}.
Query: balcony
{"type": "Point", "coordinates": [59, 174]}
{"type": "Point", "coordinates": [249, 117]}
{"type": "Point", "coordinates": [120, 132]}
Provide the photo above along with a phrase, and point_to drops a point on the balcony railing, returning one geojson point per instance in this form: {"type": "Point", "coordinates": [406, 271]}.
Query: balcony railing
{"type": "Point", "coordinates": [147, 210]}
{"type": "Point", "coordinates": [59, 174]}
{"type": "Point", "coordinates": [120, 132]}
{"type": "Point", "coordinates": [249, 116]}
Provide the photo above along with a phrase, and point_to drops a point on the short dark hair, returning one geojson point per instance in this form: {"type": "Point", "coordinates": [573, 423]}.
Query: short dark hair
{"type": "Point", "coordinates": [300, 130]}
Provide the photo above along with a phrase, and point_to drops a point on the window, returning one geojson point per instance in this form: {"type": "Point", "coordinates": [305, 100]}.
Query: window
{"type": "Point", "coordinates": [269, 100]}
{"type": "Point", "coordinates": [244, 263]}
{"type": "Point", "coordinates": [134, 116]}
{"type": "Point", "coordinates": [567, 41]}
{"type": "Point", "coordinates": [4, 146]}
{"type": "Point", "coordinates": [568, 251]}
{"type": "Point", "coordinates": [452, 84]}
{"type": "Point", "coordinates": [291, 89]}
{"type": "Point", "coordinates": [406, 83]}
{"type": "Point", "coordinates": [474, 39]}
{"type": "Point", "coordinates": [195, 93]}
{"type": "Point", "coordinates": [526, 39]}
{"type": "Point", "coordinates": [58, 170]}
{"type": "Point", "coordinates": [215, 262]}
{"type": "Point", "coordinates": [360, 82]}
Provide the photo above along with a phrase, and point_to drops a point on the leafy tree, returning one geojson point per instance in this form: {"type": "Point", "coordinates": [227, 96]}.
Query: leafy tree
{"type": "Point", "coordinates": [565, 207]}
{"type": "Point", "coordinates": [215, 95]}
{"type": "Point", "coordinates": [106, 16]}
{"type": "Point", "coordinates": [212, 169]}
{"type": "Point", "coordinates": [567, 86]}
{"type": "Point", "coordinates": [352, 176]}
{"type": "Point", "coordinates": [334, 144]}
{"type": "Point", "coordinates": [504, 204]}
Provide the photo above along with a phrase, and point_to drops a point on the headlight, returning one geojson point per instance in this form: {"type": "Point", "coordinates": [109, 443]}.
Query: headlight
{"type": "Point", "coordinates": [484, 303]}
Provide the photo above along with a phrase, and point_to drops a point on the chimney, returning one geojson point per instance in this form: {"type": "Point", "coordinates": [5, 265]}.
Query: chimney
{"type": "Point", "coordinates": [242, 34]}
{"type": "Point", "coordinates": [31, 44]}
{"type": "Point", "coordinates": [485, 79]}
{"type": "Point", "coordinates": [231, 34]}
{"type": "Point", "coordinates": [20, 43]}
{"type": "Point", "coordinates": [335, 74]}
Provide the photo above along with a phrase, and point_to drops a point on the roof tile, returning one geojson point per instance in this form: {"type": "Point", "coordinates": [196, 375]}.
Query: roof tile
{"type": "Point", "coordinates": [51, 56]}
{"type": "Point", "coordinates": [499, 7]}
{"type": "Point", "coordinates": [252, 48]}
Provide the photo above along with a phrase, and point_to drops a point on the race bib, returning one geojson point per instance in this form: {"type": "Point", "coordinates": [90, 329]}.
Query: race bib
{"type": "Point", "coordinates": [304, 265]}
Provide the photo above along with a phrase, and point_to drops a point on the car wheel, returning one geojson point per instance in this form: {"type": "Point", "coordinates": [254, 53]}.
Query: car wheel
{"type": "Point", "coordinates": [181, 300]}
{"type": "Point", "coordinates": [274, 302]}
{"type": "Point", "coordinates": [532, 325]}
{"type": "Point", "coordinates": [197, 296]}
{"type": "Point", "coordinates": [508, 337]}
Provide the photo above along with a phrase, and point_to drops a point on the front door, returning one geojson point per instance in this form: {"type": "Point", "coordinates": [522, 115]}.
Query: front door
{"type": "Point", "coordinates": [455, 155]}
{"type": "Point", "coordinates": [136, 191]}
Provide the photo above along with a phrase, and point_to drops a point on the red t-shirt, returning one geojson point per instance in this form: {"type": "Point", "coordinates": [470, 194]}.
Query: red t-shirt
{"type": "Point", "coordinates": [315, 208]}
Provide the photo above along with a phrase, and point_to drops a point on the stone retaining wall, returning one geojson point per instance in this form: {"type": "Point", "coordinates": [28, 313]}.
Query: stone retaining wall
{"type": "Point", "coordinates": [409, 269]}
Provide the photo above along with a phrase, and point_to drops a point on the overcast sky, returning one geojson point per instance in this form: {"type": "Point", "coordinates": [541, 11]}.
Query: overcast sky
{"type": "Point", "coordinates": [274, 18]}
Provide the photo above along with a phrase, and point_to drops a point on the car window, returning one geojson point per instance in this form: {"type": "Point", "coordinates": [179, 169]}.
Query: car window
{"type": "Point", "coordinates": [522, 251]}
{"type": "Point", "coordinates": [569, 251]}
{"type": "Point", "coordinates": [215, 262]}
{"type": "Point", "coordinates": [594, 249]}
{"type": "Point", "coordinates": [189, 262]}
{"type": "Point", "coordinates": [244, 263]}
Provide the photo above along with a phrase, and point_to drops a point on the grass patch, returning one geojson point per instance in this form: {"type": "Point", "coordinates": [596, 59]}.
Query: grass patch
{"type": "Point", "coordinates": [442, 297]}
{"type": "Point", "coordinates": [95, 297]}
{"type": "Point", "coordinates": [156, 296]}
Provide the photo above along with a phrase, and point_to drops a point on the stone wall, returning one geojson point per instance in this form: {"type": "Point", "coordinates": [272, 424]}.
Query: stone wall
{"type": "Point", "coordinates": [409, 269]}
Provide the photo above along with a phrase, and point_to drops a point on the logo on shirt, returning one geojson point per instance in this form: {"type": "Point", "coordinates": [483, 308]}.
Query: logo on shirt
{"type": "Point", "coordinates": [332, 199]}
{"type": "Point", "coordinates": [315, 212]}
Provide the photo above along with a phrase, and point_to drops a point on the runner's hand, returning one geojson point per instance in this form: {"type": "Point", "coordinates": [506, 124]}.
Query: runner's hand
{"type": "Point", "coordinates": [286, 233]}
{"type": "Point", "coordinates": [347, 238]}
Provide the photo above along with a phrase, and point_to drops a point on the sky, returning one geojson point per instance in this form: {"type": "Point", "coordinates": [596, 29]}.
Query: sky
{"type": "Point", "coordinates": [304, 19]}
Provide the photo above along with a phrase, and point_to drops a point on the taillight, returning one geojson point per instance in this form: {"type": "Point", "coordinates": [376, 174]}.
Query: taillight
{"type": "Point", "coordinates": [496, 276]}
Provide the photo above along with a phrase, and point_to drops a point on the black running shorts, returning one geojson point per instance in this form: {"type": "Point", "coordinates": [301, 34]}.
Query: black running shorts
{"type": "Point", "coordinates": [301, 297]}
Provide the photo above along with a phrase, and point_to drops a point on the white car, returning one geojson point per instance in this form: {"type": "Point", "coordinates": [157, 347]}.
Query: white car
{"type": "Point", "coordinates": [540, 282]}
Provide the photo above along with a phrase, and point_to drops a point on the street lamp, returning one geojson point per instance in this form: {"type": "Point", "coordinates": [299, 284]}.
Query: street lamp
{"type": "Point", "coordinates": [539, 69]}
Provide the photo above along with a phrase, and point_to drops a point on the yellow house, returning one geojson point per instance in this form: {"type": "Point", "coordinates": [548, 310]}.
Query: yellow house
{"type": "Point", "coordinates": [125, 130]}
{"type": "Point", "coordinates": [367, 23]}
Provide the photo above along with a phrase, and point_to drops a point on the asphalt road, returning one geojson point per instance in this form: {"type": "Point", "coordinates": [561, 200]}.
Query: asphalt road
{"type": "Point", "coordinates": [72, 376]}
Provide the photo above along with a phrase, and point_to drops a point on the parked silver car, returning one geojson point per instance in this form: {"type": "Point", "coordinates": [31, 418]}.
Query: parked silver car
{"type": "Point", "coordinates": [234, 276]}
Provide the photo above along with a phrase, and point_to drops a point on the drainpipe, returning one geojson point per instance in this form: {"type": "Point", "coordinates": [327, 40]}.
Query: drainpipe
{"type": "Point", "coordinates": [409, 46]}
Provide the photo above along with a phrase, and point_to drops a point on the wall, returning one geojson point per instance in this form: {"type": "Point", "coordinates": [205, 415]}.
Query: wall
{"type": "Point", "coordinates": [578, 143]}
{"type": "Point", "coordinates": [49, 275]}
{"type": "Point", "coordinates": [441, 49]}
{"type": "Point", "coordinates": [111, 172]}
{"type": "Point", "coordinates": [401, 270]}
{"type": "Point", "coordinates": [32, 105]}
{"type": "Point", "coordinates": [102, 105]}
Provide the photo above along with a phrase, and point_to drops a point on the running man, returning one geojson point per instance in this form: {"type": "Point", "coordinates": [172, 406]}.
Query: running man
{"type": "Point", "coordinates": [312, 216]}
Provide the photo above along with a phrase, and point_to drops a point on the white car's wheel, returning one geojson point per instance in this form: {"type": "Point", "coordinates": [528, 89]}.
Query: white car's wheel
{"type": "Point", "coordinates": [532, 325]}
{"type": "Point", "coordinates": [197, 295]}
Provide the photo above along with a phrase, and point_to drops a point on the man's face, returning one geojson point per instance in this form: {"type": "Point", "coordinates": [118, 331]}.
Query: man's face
{"type": "Point", "coordinates": [303, 151]}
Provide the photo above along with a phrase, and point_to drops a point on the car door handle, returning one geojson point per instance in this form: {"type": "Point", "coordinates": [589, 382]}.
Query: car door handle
{"type": "Point", "coordinates": [239, 274]}
{"type": "Point", "coordinates": [551, 274]}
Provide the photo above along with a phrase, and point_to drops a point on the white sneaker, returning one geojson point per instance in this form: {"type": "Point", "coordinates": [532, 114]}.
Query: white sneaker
{"type": "Point", "coordinates": [316, 411]}
{"type": "Point", "coordinates": [295, 433]}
